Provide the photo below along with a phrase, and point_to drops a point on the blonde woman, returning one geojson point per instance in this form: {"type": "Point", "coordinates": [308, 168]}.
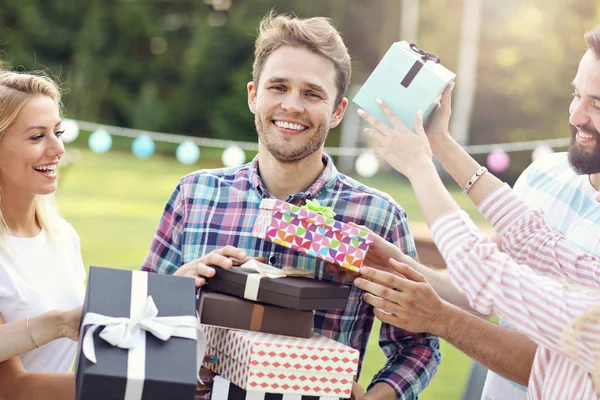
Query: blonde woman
{"type": "Point", "coordinates": [40, 260]}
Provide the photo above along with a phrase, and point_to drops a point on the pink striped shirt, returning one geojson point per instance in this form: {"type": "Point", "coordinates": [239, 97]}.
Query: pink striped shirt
{"type": "Point", "coordinates": [512, 288]}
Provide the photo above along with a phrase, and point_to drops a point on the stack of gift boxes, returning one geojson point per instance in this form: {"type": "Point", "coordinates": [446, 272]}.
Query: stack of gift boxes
{"type": "Point", "coordinates": [271, 347]}
{"type": "Point", "coordinates": [139, 341]}
{"type": "Point", "coordinates": [258, 318]}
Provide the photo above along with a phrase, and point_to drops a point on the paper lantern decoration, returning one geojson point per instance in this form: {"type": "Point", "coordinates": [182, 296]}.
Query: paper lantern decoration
{"type": "Point", "coordinates": [100, 141]}
{"type": "Point", "coordinates": [233, 156]}
{"type": "Point", "coordinates": [188, 152]}
{"type": "Point", "coordinates": [541, 151]}
{"type": "Point", "coordinates": [366, 165]}
{"type": "Point", "coordinates": [143, 146]}
{"type": "Point", "coordinates": [498, 161]}
{"type": "Point", "coordinates": [71, 130]}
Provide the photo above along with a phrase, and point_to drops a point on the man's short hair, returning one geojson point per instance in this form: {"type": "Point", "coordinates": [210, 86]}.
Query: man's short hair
{"type": "Point", "coordinates": [316, 34]}
{"type": "Point", "coordinates": [593, 40]}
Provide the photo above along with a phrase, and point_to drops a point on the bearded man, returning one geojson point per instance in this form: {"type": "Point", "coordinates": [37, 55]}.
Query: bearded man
{"type": "Point", "coordinates": [566, 186]}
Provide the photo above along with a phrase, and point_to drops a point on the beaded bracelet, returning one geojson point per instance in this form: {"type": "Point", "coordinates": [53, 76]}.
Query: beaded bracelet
{"type": "Point", "coordinates": [473, 179]}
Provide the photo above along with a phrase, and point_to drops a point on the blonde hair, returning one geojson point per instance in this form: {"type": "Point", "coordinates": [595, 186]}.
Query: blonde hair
{"type": "Point", "coordinates": [314, 34]}
{"type": "Point", "coordinates": [16, 89]}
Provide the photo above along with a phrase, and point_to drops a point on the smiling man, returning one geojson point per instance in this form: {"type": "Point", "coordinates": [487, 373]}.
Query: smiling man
{"type": "Point", "coordinates": [300, 75]}
{"type": "Point", "coordinates": [567, 185]}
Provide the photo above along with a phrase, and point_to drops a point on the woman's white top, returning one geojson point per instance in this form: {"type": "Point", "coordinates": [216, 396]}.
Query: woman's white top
{"type": "Point", "coordinates": [39, 275]}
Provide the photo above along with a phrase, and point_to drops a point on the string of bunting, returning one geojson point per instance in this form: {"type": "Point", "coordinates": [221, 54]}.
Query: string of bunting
{"type": "Point", "coordinates": [188, 151]}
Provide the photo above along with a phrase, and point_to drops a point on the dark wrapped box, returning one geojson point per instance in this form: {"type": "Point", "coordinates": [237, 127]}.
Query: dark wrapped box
{"type": "Point", "coordinates": [224, 390]}
{"type": "Point", "coordinates": [232, 312]}
{"type": "Point", "coordinates": [153, 368]}
{"type": "Point", "coordinates": [297, 293]}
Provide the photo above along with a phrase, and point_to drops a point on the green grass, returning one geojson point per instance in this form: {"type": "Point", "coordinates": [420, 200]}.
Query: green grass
{"type": "Point", "coordinates": [114, 201]}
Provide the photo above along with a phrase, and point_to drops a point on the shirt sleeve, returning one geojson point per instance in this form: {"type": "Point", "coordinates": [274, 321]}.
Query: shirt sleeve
{"type": "Point", "coordinates": [412, 358]}
{"type": "Point", "coordinates": [164, 255]}
{"type": "Point", "coordinates": [528, 239]}
{"type": "Point", "coordinates": [553, 314]}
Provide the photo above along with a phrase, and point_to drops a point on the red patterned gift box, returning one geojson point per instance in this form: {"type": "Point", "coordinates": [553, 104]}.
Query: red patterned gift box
{"type": "Point", "coordinates": [312, 233]}
{"type": "Point", "coordinates": [257, 361]}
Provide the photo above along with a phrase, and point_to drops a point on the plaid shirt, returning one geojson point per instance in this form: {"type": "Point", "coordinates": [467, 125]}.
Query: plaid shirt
{"type": "Point", "coordinates": [210, 209]}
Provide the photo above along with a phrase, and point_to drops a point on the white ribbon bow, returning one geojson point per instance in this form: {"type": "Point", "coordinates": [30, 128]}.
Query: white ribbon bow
{"type": "Point", "coordinates": [121, 332]}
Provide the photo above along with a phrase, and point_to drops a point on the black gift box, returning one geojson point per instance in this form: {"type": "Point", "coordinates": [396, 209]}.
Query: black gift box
{"type": "Point", "coordinates": [224, 390]}
{"type": "Point", "coordinates": [170, 366]}
{"type": "Point", "coordinates": [288, 292]}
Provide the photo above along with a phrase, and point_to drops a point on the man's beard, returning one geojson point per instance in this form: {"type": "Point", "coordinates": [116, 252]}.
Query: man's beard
{"type": "Point", "coordinates": [286, 152]}
{"type": "Point", "coordinates": [584, 162]}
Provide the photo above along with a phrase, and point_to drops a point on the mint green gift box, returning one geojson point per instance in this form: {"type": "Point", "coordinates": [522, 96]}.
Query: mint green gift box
{"type": "Point", "coordinates": [407, 79]}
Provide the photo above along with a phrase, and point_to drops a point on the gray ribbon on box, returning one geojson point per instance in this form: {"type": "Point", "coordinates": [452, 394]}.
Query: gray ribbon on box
{"type": "Point", "coordinates": [414, 70]}
{"type": "Point", "coordinates": [130, 333]}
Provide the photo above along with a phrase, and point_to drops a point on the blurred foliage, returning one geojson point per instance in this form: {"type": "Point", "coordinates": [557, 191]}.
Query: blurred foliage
{"type": "Point", "coordinates": [182, 65]}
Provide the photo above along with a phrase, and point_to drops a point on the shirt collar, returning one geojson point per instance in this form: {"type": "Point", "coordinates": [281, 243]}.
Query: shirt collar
{"type": "Point", "coordinates": [326, 179]}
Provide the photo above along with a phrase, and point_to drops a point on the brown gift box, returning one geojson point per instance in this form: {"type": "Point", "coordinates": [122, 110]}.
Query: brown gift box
{"type": "Point", "coordinates": [232, 312]}
{"type": "Point", "coordinates": [295, 293]}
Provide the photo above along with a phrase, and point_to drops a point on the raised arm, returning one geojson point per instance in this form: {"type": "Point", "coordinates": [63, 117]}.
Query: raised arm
{"type": "Point", "coordinates": [528, 239]}
{"type": "Point", "coordinates": [524, 233]}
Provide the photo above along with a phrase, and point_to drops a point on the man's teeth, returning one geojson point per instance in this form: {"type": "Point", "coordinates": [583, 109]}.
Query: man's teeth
{"type": "Point", "coordinates": [288, 125]}
{"type": "Point", "coordinates": [585, 135]}
{"type": "Point", "coordinates": [46, 168]}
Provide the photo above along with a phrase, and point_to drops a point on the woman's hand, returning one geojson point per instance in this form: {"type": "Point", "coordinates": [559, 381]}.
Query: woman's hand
{"type": "Point", "coordinates": [437, 125]}
{"type": "Point", "coordinates": [378, 256]}
{"type": "Point", "coordinates": [70, 326]}
{"type": "Point", "coordinates": [380, 252]}
{"type": "Point", "coordinates": [404, 150]}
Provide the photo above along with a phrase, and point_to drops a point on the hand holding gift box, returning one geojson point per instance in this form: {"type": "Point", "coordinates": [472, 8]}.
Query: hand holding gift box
{"type": "Point", "coordinates": [126, 350]}
{"type": "Point", "coordinates": [312, 233]}
{"type": "Point", "coordinates": [407, 79]}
